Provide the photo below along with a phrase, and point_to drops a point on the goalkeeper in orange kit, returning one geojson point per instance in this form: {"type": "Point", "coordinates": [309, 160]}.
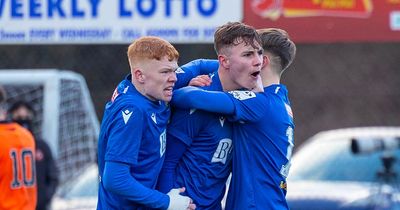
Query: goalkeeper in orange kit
{"type": "Point", "coordinates": [17, 174]}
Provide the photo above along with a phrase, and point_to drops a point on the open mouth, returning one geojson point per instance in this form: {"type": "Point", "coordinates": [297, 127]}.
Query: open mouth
{"type": "Point", "coordinates": [169, 89]}
{"type": "Point", "coordinates": [255, 74]}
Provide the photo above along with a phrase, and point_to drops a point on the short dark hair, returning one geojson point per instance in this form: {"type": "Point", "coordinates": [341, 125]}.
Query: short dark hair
{"type": "Point", "coordinates": [19, 104]}
{"type": "Point", "coordinates": [277, 42]}
{"type": "Point", "coordinates": [234, 33]}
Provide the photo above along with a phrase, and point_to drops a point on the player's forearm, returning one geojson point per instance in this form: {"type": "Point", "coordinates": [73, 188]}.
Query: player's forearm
{"type": "Point", "coordinates": [212, 101]}
{"type": "Point", "coordinates": [117, 179]}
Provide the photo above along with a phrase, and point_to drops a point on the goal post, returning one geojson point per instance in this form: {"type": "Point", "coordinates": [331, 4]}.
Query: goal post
{"type": "Point", "coordinates": [65, 115]}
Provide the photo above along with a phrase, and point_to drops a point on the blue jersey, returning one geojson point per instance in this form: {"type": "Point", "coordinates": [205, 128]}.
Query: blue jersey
{"type": "Point", "coordinates": [133, 132]}
{"type": "Point", "coordinates": [263, 142]}
{"type": "Point", "coordinates": [206, 164]}
{"type": "Point", "coordinates": [194, 68]}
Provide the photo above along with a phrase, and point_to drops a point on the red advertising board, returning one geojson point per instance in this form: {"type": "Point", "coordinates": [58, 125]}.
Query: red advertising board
{"type": "Point", "coordinates": [323, 21]}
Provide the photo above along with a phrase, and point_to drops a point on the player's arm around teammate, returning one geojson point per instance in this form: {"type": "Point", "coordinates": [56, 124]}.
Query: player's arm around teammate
{"type": "Point", "coordinates": [133, 132]}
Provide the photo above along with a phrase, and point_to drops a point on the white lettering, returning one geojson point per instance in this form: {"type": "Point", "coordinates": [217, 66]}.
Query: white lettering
{"type": "Point", "coordinates": [163, 143]}
{"type": "Point", "coordinates": [223, 151]}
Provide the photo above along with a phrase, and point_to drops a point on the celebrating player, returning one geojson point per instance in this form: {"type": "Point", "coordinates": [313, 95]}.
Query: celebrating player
{"type": "Point", "coordinates": [199, 148]}
{"type": "Point", "coordinates": [133, 131]}
{"type": "Point", "coordinates": [263, 134]}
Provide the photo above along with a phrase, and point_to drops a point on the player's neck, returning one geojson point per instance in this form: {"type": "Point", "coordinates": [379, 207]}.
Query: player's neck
{"type": "Point", "coordinates": [226, 81]}
{"type": "Point", "coordinates": [140, 88]}
{"type": "Point", "coordinates": [269, 78]}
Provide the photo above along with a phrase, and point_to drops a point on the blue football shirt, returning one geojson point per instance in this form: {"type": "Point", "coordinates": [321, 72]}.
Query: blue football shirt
{"type": "Point", "coordinates": [263, 138]}
{"type": "Point", "coordinates": [206, 164]}
{"type": "Point", "coordinates": [133, 132]}
{"type": "Point", "coordinates": [263, 142]}
{"type": "Point", "coordinates": [194, 68]}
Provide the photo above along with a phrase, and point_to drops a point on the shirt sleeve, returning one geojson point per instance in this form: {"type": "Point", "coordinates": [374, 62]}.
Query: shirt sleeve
{"type": "Point", "coordinates": [174, 152]}
{"type": "Point", "coordinates": [212, 101]}
{"type": "Point", "coordinates": [249, 106]}
{"type": "Point", "coordinates": [117, 179]}
{"type": "Point", "coordinates": [193, 69]}
{"type": "Point", "coordinates": [238, 105]}
{"type": "Point", "coordinates": [125, 134]}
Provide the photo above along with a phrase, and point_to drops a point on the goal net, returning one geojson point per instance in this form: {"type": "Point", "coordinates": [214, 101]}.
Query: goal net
{"type": "Point", "coordinates": [65, 116]}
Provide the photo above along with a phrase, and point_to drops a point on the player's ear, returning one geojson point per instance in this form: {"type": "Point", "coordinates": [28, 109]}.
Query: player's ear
{"type": "Point", "coordinates": [265, 61]}
{"type": "Point", "coordinates": [223, 61]}
{"type": "Point", "coordinates": [139, 76]}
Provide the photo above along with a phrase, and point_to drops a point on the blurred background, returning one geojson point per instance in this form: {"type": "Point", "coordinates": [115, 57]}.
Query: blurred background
{"type": "Point", "coordinates": [346, 72]}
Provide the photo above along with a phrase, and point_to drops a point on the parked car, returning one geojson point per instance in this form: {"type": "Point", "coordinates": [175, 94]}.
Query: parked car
{"type": "Point", "coordinates": [353, 168]}
{"type": "Point", "coordinates": [80, 193]}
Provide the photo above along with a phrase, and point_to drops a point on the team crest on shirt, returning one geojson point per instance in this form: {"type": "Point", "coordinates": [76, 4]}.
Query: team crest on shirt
{"type": "Point", "coordinates": [126, 115]}
{"type": "Point", "coordinates": [242, 94]}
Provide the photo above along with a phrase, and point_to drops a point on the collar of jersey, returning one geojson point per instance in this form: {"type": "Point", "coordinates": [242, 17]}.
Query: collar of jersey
{"type": "Point", "coordinates": [272, 88]}
{"type": "Point", "coordinates": [215, 82]}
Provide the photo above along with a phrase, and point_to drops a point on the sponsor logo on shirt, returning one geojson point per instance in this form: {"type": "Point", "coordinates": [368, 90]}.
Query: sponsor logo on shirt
{"type": "Point", "coordinates": [126, 115]}
{"type": "Point", "coordinates": [223, 150]}
{"type": "Point", "coordinates": [242, 94]}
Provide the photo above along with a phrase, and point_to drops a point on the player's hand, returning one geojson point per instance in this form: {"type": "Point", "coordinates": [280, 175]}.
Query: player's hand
{"type": "Point", "coordinates": [200, 81]}
{"type": "Point", "coordinates": [179, 202]}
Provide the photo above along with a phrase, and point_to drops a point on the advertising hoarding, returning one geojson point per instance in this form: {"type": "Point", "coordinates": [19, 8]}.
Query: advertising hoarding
{"type": "Point", "coordinates": [311, 21]}
{"type": "Point", "coordinates": [113, 21]}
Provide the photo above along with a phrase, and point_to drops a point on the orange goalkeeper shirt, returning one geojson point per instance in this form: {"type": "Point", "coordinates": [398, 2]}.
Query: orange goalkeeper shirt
{"type": "Point", "coordinates": [17, 173]}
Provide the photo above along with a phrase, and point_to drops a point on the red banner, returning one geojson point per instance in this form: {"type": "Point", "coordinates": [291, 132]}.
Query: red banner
{"type": "Point", "coordinates": [328, 20]}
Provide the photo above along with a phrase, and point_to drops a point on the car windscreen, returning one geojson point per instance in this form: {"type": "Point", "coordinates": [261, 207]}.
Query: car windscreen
{"type": "Point", "coordinates": [333, 160]}
{"type": "Point", "coordinates": [85, 185]}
